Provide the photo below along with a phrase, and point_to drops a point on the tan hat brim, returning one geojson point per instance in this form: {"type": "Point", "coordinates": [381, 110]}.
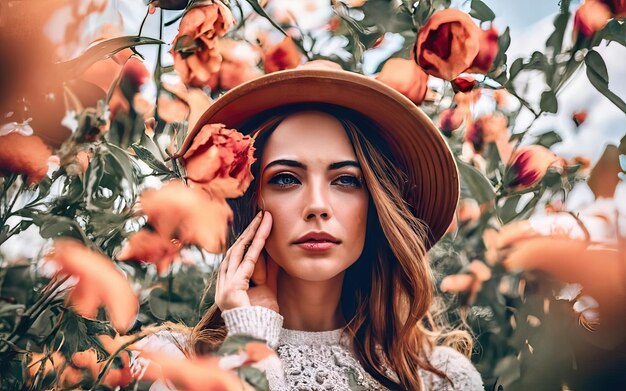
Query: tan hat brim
{"type": "Point", "coordinates": [412, 137]}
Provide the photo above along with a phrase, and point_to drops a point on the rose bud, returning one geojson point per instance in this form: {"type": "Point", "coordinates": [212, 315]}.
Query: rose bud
{"type": "Point", "coordinates": [579, 117]}
{"type": "Point", "coordinates": [527, 167]}
{"type": "Point", "coordinates": [463, 84]}
{"type": "Point", "coordinates": [590, 17]}
{"type": "Point", "coordinates": [284, 55]}
{"type": "Point", "coordinates": [451, 119]}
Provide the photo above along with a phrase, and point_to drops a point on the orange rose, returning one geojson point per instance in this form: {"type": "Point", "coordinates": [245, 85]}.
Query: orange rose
{"type": "Point", "coordinates": [219, 161]}
{"type": "Point", "coordinates": [100, 283]}
{"type": "Point", "coordinates": [527, 167]}
{"type": "Point", "coordinates": [284, 55]}
{"type": "Point", "coordinates": [27, 155]}
{"type": "Point", "coordinates": [406, 77]}
{"type": "Point", "coordinates": [187, 214]}
{"type": "Point", "coordinates": [447, 44]}
{"type": "Point", "coordinates": [590, 17]}
{"type": "Point", "coordinates": [150, 247]}
{"type": "Point", "coordinates": [195, 48]}
{"type": "Point", "coordinates": [488, 50]}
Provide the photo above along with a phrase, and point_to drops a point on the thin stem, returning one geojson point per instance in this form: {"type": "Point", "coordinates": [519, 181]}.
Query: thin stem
{"type": "Point", "coordinates": [107, 364]}
{"type": "Point", "coordinates": [157, 76]}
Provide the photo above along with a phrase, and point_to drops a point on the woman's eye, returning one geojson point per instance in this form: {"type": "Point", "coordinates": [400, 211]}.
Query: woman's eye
{"type": "Point", "coordinates": [284, 180]}
{"type": "Point", "coordinates": [349, 180]}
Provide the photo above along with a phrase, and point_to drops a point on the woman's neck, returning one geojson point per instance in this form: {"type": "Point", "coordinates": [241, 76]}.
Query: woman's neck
{"type": "Point", "coordinates": [310, 305]}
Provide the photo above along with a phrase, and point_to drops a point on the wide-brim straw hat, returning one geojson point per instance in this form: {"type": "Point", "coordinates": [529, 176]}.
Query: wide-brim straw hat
{"type": "Point", "coordinates": [417, 146]}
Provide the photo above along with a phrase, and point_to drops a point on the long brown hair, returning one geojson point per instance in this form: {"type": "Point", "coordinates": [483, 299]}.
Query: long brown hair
{"type": "Point", "coordinates": [387, 292]}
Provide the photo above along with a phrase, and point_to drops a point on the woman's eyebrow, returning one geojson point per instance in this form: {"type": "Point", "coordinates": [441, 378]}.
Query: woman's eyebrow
{"type": "Point", "coordinates": [297, 164]}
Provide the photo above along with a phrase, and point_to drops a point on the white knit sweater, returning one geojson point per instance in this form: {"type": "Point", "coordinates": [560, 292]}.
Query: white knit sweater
{"type": "Point", "coordinates": [311, 361]}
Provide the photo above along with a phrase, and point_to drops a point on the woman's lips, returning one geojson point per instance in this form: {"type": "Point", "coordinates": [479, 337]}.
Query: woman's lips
{"type": "Point", "coordinates": [316, 245]}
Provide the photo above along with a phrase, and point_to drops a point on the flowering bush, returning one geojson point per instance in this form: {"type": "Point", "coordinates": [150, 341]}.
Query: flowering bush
{"type": "Point", "coordinates": [108, 235]}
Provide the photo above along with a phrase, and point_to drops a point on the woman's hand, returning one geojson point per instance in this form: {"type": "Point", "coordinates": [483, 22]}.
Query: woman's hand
{"type": "Point", "coordinates": [243, 262]}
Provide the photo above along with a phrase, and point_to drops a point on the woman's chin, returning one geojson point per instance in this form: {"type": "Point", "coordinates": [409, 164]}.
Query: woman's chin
{"type": "Point", "coordinates": [313, 269]}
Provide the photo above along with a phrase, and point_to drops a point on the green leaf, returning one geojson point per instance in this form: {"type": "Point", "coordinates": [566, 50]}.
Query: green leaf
{"type": "Point", "coordinates": [599, 78]}
{"type": "Point", "coordinates": [102, 50]}
{"type": "Point", "coordinates": [255, 377]}
{"type": "Point", "coordinates": [555, 41]}
{"type": "Point", "coordinates": [235, 343]}
{"type": "Point", "coordinates": [147, 157]}
{"type": "Point", "coordinates": [516, 67]}
{"type": "Point", "coordinates": [614, 31]}
{"type": "Point", "coordinates": [481, 11]}
{"type": "Point", "coordinates": [548, 139]}
{"type": "Point", "coordinates": [504, 41]}
{"type": "Point", "coordinates": [477, 183]}
{"type": "Point", "coordinates": [549, 103]}
{"type": "Point", "coordinates": [61, 226]}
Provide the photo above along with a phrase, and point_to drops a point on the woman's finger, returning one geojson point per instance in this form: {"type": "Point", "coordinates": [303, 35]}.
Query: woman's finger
{"type": "Point", "coordinates": [259, 275]}
{"type": "Point", "coordinates": [238, 249]}
{"type": "Point", "coordinates": [248, 263]}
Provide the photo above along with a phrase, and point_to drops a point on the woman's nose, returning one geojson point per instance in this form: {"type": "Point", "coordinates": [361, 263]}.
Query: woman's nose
{"type": "Point", "coordinates": [317, 202]}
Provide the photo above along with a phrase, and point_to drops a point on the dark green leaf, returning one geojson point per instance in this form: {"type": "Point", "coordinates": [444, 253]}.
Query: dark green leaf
{"type": "Point", "coordinates": [479, 186]}
{"type": "Point", "coordinates": [599, 78]}
{"type": "Point", "coordinates": [548, 139]}
{"type": "Point", "coordinates": [549, 103]}
{"type": "Point", "coordinates": [60, 226]}
{"type": "Point", "coordinates": [516, 67]}
{"type": "Point", "coordinates": [481, 11]}
{"type": "Point", "coordinates": [507, 211]}
{"type": "Point", "coordinates": [70, 69]}
{"type": "Point", "coordinates": [147, 157]}
{"type": "Point", "coordinates": [614, 31]}
{"type": "Point", "coordinates": [555, 41]}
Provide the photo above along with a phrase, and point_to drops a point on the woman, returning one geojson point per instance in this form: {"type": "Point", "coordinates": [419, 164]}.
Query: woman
{"type": "Point", "coordinates": [352, 185]}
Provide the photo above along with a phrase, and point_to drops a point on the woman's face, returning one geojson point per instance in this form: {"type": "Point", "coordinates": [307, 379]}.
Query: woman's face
{"type": "Point", "coordinates": [312, 185]}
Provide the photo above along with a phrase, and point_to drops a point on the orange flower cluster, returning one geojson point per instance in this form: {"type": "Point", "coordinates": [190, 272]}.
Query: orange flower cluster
{"type": "Point", "coordinates": [450, 43]}
{"type": "Point", "coordinates": [85, 365]}
{"type": "Point", "coordinates": [99, 283]}
{"type": "Point", "coordinates": [196, 47]}
{"type": "Point", "coordinates": [26, 155]}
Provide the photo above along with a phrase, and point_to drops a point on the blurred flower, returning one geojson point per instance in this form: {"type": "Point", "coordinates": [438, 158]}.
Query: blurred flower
{"type": "Point", "coordinates": [76, 164]}
{"type": "Point", "coordinates": [447, 44]}
{"type": "Point", "coordinates": [406, 77]}
{"type": "Point", "coordinates": [99, 283]}
{"type": "Point", "coordinates": [219, 161]}
{"type": "Point", "coordinates": [133, 75]}
{"type": "Point", "coordinates": [27, 155]}
{"type": "Point", "coordinates": [501, 97]}
{"type": "Point", "coordinates": [527, 167]}
{"type": "Point", "coordinates": [490, 128]}
{"type": "Point", "coordinates": [239, 64]}
{"type": "Point", "coordinates": [467, 99]}
{"type": "Point", "coordinates": [487, 53]}
{"type": "Point", "coordinates": [590, 17]}
{"type": "Point", "coordinates": [451, 119]}
{"type": "Point", "coordinates": [469, 211]}
{"type": "Point", "coordinates": [463, 84]}
{"type": "Point", "coordinates": [194, 100]}
{"type": "Point", "coordinates": [579, 117]}
{"type": "Point", "coordinates": [196, 47]}
{"type": "Point", "coordinates": [150, 247]}
{"type": "Point", "coordinates": [599, 271]}
{"type": "Point", "coordinates": [604, 178]}
{"type": "Point", "coordinates": [284, 55]}
{"type": "Point", "coordinates": [187, 214]}
{"type": "Point", "coordinates": [198, 374]}
{"type": "Point", "coordinates": [617, 7]}
{"type": "Point", "coordinates": [470, 282]}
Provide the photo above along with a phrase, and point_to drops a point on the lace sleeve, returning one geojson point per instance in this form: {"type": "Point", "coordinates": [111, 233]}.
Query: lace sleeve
{"type": "Point", "coordinates": [457, 367]}
{"type": "Point", "coordinates": [265, 324]}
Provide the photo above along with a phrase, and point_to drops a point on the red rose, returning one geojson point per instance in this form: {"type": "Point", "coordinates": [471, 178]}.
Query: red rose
{"type": "Point", "coordinates": [219, 161]}
{"type": "Point", "coordinates": [284, 55]}
{"type": "Point", "coordinates": [590, 17]}
{"type": "Point", "coordinates": [487, 52]}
